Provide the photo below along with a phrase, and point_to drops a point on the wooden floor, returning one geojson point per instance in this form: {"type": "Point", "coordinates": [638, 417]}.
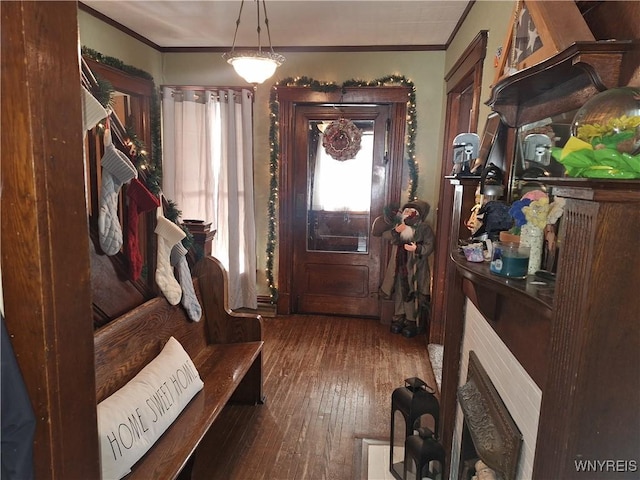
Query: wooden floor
{"type": "Point", "coordinates": [328, 384]}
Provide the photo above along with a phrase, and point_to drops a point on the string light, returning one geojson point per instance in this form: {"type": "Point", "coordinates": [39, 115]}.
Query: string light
{"type": "Point", "coordinates": [275, 154]}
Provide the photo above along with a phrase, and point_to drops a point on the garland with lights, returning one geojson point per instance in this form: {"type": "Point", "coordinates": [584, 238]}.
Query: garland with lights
{"type": "Point", "coordinates": [317, 86]}
{"type": "Point", "coordinates": [149, 165]}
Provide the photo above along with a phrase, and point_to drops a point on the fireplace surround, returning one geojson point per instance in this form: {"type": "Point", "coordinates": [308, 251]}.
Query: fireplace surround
{"type": "Point", "coordinates": [495, 438]}
{"type": "Point", "coordinates": [517, 389]}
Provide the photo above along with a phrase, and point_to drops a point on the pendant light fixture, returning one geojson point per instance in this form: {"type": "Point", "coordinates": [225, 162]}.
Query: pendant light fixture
{"type": "Point", "coordinates": [255, 66]}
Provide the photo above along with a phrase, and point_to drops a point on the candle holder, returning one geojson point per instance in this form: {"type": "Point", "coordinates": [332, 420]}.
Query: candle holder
{"type": "Point", "coordinates": [410, 406]}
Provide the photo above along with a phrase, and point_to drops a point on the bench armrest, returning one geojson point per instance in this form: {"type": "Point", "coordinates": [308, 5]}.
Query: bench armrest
{"type": "Point", "coordinates": [224, 325]}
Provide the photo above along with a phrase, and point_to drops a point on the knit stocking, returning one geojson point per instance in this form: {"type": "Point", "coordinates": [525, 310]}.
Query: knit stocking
{"type": "Point", "coordinates": [168, 235]}
{"type": "Point", "coordinates": [92, 110]}
{"type": "Point", "coordinates": [92, 113]}
{"type": "Point", "coordinates": [117, 170]}
{"type": "Point", "coordinates": [189, 300]}
{"type": "Point", "coordinates": [140, 200]}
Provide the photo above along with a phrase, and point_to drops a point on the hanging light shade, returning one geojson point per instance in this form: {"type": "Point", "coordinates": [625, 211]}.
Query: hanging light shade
{"type": "Point", "coordinates": [255, 66]}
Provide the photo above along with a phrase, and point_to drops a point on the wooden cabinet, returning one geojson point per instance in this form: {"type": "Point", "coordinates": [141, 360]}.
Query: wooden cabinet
{"type": "Point", "coordinates": [591, 396]}
{"type": "Point", "coordinates": [584, 337]}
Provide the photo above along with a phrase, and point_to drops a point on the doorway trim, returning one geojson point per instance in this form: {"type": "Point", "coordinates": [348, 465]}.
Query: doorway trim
{"type": "Point", "coordinates": [465, 74]}
{"type": "Point", "coordinates": [288, 97]}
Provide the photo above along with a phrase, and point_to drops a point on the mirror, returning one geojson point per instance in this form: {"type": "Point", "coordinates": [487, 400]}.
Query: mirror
{"type": "Point", "coordinates": [533, 161]}
{"type": "Point", "coordinates": [491, 150]}
{"type": "Point", "coordinates": [339, 198]}
{"type": "Point", "coordinates": [132, 105]}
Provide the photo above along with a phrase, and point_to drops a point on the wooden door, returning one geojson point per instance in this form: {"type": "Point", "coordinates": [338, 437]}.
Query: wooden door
{"type": "Point", "coordinates": [336, 260]}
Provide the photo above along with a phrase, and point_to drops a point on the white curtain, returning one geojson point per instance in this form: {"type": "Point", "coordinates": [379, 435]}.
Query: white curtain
{"type": "Point", "coordinates": [208, 172]}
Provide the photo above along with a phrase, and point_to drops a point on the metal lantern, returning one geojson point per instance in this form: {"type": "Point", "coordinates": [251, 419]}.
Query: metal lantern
{"type": "Point", "coordinates": [421, 451]}
{"type": "Point", "coordinates": [410, 405]}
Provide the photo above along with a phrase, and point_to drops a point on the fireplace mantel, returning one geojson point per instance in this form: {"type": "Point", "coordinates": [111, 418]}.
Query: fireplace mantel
{"type": "Point", "coordinates": [580, 341]}
{"type": "Point", "coordinates": [585, 338]}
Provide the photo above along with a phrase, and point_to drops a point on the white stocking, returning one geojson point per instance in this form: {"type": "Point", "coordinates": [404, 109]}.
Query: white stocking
{"type": "Point", "coordinates": [168, 235]}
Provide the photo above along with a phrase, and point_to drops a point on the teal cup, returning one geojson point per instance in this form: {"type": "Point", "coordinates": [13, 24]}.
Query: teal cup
{"type": "Point", "coordinates": [509, 260]}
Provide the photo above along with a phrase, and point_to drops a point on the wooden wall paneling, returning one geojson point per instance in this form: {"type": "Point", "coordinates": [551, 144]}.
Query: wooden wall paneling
{"type": "Point", "coordinates": [45, 262]}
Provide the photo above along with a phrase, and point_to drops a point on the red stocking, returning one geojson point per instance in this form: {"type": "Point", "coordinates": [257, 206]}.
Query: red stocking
{"type": "Point", "coordinates": [140, 200]}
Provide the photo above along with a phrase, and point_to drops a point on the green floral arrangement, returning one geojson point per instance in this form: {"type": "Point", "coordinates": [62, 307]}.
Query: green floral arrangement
{"type": "Point", "coordinates": [609, 150]}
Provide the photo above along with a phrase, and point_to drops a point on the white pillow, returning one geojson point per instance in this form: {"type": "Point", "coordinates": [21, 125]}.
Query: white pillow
{"type": "Point", "coordinates": [133, 418]}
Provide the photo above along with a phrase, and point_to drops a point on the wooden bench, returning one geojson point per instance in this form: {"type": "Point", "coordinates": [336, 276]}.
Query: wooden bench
{"type": "Point", "coordinates": [226, 348]}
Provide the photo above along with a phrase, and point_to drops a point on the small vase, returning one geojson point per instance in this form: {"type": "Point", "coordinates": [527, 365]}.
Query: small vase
{"type": "Point", "coordinates": [532, 237]}
{"type": "Point", "coordinates": [509, 237]}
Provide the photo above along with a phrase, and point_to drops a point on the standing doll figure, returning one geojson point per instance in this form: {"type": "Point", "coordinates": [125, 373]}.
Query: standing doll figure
{"type": "Point", "coordinates": [407, 279]}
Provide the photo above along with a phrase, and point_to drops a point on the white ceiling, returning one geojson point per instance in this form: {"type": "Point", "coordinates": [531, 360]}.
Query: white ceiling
{"type": "Point", "coordinates": [311, 24]}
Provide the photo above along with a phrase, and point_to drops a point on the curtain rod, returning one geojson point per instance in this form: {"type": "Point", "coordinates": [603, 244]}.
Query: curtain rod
{"type": "Point", "coordinates": [207, 87]}
{"type": "Point", "coordinates": [201, 88]}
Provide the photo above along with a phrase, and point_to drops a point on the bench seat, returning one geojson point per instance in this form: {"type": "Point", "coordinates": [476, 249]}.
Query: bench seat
{"type": "Point", "coordinates": [221, 368]}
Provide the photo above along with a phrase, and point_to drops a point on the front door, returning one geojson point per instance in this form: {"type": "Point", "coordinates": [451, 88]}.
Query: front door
{"type": "Point", "coordinates": [337, 194]}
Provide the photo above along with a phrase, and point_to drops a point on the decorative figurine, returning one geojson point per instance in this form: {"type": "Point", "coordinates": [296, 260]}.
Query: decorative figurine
{"type": "Point", "coordinates": [407, 279]}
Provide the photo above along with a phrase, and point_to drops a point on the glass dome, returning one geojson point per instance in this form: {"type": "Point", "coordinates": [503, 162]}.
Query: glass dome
{"type": "Point", "coordinates": [611, 119]}
{"type": "Point", "coordinates": [605, 137]}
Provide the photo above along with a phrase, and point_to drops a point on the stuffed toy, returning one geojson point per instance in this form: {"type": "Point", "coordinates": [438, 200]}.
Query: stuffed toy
{"type": "Point", "coordinates": [494, 217]}
{"type": "Point", "coordinates": [407, 278]}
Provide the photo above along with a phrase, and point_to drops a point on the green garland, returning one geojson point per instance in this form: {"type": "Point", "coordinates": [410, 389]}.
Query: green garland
{"type": "Point", "coordinates": [148, 164]}
{"type": "Point", "coordinates": [317, 86]}
{"type": "Point", "coordinates": [115, 63]}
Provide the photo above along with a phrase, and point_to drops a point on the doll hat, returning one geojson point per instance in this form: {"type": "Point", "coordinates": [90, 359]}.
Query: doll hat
{"type": "Point", "coordinates": [420, 205]}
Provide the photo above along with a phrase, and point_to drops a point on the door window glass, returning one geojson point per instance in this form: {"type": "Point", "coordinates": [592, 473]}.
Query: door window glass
{"type": "Point", "coordinates": [339, 193]}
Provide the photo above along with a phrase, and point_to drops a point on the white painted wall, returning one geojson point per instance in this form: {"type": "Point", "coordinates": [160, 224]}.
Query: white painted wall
{"type": "Point", "coordinates": [495, 17]}
{"type": "Point", "coordinates": [110, 41]}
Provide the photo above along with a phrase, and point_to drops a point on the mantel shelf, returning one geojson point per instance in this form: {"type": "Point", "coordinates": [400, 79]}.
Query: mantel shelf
{"type": "Point", "coordinates": [532, 292]}
{"type": "Point", "coordinates": [561, 83]}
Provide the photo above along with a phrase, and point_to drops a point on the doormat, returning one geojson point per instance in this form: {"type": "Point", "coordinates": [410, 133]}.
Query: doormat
{"type": "Point", "coordinates": [373, 459]}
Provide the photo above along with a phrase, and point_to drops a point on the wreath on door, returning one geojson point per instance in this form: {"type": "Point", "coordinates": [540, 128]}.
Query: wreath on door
{"type": "Point", "coordinates": [341, 139]}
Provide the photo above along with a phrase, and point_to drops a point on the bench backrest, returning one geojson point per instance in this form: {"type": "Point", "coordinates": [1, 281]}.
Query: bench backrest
{"type": "Point", "coordinates": [125, 345]}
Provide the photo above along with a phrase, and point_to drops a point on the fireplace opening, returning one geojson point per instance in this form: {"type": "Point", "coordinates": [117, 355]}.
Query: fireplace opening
{"type": "Point", "coordinates": [491, 441]}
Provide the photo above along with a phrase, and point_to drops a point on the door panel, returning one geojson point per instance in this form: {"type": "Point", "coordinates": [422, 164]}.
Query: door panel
{"type": "Point", "coordinates": [336, 260]}
{"type": "Point", "coordinates": [352, 278]}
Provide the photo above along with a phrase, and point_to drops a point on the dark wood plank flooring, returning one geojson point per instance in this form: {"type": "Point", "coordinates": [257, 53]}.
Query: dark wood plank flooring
{"type": "Point", "coordinates": [328, 383]}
